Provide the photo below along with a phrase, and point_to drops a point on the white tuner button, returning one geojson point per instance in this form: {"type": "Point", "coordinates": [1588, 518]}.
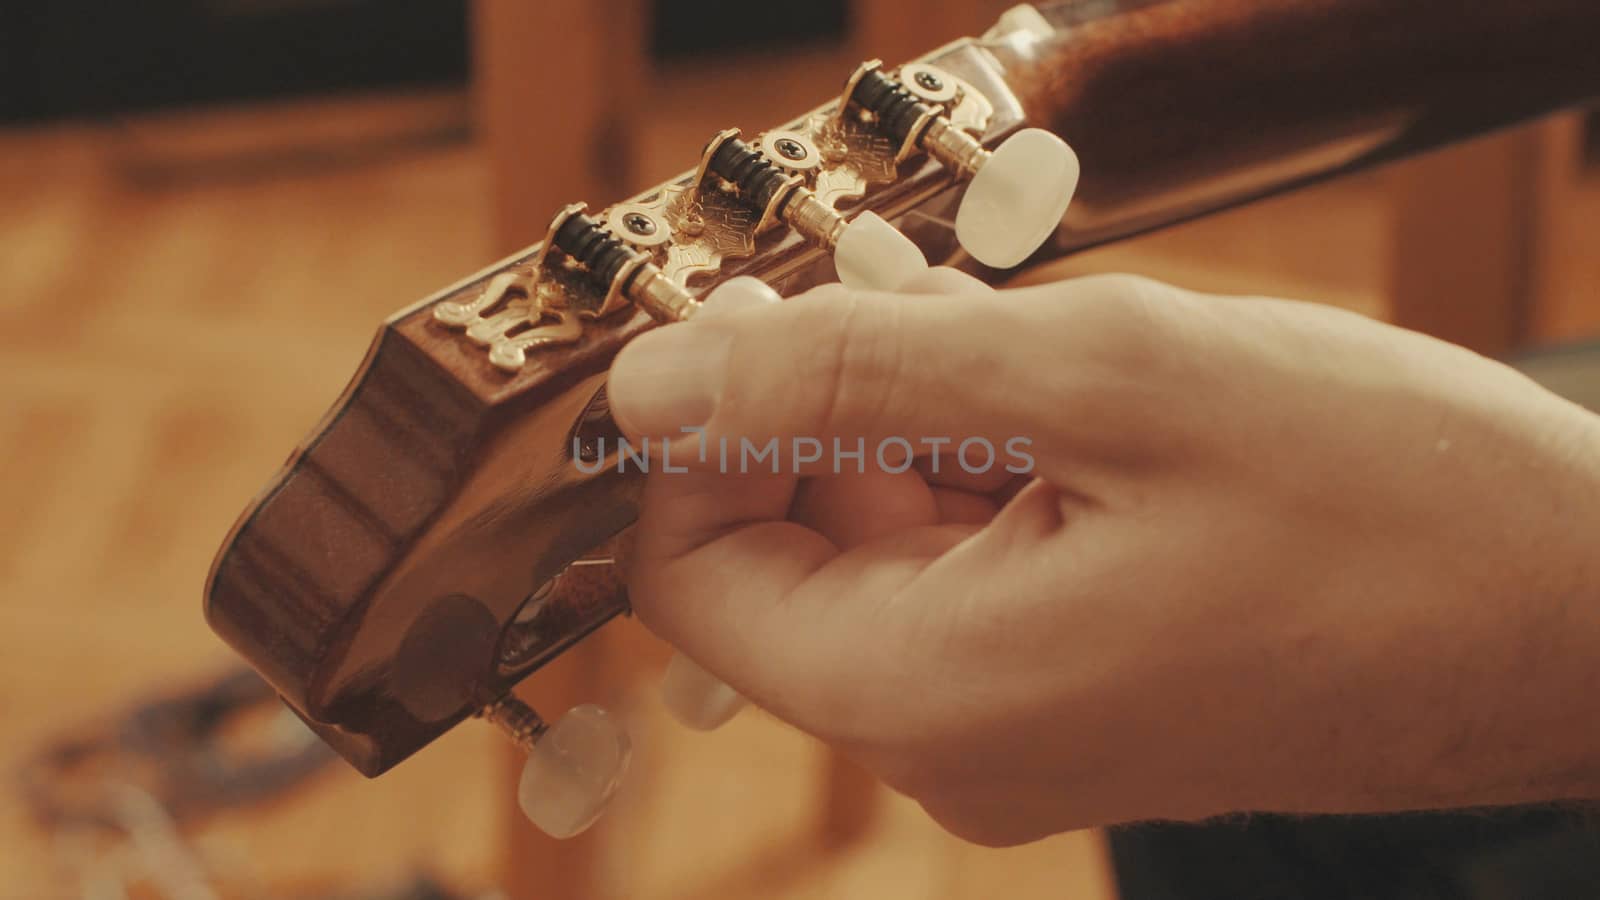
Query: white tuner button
{"type": "Point", "coordinates": [872, 256]}
{"type": "Point", "coordinates": [1021, 21]}
{"type": "Point", "coordinates": [1017, 198]}
{"type": "Point", "coordinates": [695, 697]}
{"type": "Point", "coordinates": [573, 769]}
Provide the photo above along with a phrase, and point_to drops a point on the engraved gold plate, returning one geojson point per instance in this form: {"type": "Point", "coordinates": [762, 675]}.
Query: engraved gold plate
{"type": "Point", "coordinates": [855, 157]}
{"type": "Point", "coordinates": [971, 110]}
{"type": "Point", "coordinates": [681, 232]}
{"type": "Point", "coordinates": [512, 315]}
{"type": "Point", "coordinates": [708, 227]}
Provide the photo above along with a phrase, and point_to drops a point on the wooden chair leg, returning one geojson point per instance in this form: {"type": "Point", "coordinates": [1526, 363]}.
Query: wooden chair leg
{"type": "Point", "coordinates": [537, 866]}
{"type": "Point", "coordinates": [1566, 267]}
{"type": "Point", "coordinates": [1466, 220]}
{"type": "Point", "coordinates": [850, 798]}
{"type": "Point", "coordinates": [899, 30]}
{"type": "Point", "coordinates": [555, 85]}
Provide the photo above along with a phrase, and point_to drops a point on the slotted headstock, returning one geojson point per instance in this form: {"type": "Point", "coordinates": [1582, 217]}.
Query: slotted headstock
{"type": "Point", "coordinates": [422, 551]}
{"type": "Point", "coordinates": [414, 559]}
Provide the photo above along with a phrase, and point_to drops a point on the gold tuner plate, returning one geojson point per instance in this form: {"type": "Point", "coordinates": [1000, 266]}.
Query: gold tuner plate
{"type": "Point", "coordinates": [664, 242]}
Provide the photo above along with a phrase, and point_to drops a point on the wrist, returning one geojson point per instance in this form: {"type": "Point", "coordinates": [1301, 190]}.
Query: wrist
{"type": "Point", "coordinates": [1540, 736]}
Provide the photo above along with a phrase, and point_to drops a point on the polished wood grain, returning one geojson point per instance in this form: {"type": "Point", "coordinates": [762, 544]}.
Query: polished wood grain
{"type": "Point", "coordinates": [1177, 108]}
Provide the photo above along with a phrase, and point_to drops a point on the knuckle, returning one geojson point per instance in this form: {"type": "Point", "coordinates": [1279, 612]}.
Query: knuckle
{"type": "Point", "coordinates": [1134, 355]}
{"type": "Point", "coordinates": [1133, 318]}
{"type": "Point", "coordinates": [912, 774]}
{"type": "Point", "coordinates": [851, 373]}
{"type": "Point", "coordinates": [651, 596]}
{"type": "Point", "coordinates": [1139, 343]}
{"type": "Point", "coordinates": [977, 823]}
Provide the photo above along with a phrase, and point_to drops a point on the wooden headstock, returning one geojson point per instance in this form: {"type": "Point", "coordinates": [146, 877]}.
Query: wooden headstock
{"type": "Point", "coordinates": [413, 561]}
{"type": "Point", "coordinates": [415, 557]}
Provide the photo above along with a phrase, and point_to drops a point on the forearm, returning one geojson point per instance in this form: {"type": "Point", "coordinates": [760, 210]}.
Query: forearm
{"type": "Point", "coordinates": [1529, 725]}
{"type": "Point", "coordinates": [1565, 665]}
{"type": "Point", "coordinates": [1440, 646]}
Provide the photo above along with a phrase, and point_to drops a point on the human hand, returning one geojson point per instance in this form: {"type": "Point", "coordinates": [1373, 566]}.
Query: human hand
{"type": "Point", "coordinates": [1269, 556]}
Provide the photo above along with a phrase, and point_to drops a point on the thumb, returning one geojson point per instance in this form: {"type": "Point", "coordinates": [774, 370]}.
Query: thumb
{"type": "Point", "coordinates": [831, 365]}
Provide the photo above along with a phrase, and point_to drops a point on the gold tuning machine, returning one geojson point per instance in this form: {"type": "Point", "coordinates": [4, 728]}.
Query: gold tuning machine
{"type": "Point", "coordinates": [623, 272]}
{"type": "Point", "coordinates": [769, 179]}
{"type": "Point", "coordinates": [553, 292]}
{"type": "Point", "coordinates": [648, 250]}
{"type": "Point", "coordinates": [1018, 193]}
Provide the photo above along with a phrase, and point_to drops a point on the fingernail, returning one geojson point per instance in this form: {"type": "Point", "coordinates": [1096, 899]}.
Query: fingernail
{"type": "Point", "coordinates": [669, 379]}
{"type": "Point", "coordinates": [873, 256]}
{"type": "Point", "coordinates": [739, 293]}
{"type": "Point", "coordinates": [695, 697]}
{"type": "Point", "coordinates": [941, 280]}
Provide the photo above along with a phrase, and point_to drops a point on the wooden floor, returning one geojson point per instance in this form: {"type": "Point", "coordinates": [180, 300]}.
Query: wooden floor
{"type": "Point", "coordinates": [162, 348]}
{"type": "Point", "coordinates": [168, 332]}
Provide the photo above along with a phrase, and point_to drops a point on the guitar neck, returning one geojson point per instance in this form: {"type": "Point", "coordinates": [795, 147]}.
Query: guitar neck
{"type": "Point", "coordinates": [1182, 107]}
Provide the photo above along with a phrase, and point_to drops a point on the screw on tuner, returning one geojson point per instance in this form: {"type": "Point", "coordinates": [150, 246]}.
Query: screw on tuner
{"type": "Point", "coordinates": [818, 177]}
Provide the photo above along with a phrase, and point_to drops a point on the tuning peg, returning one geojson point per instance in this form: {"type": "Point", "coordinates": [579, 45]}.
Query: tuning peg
{"type": "Point", "coordinates": [573, 767]}
{"type": "Point", "coordinates": [1021, 23]}
{"type": "Point", "coordinates": [868, 252]}
{"type": "Point", "coordinates": [871, 255]}
{"type": "Point", "coordinates": [1018, 193]}
{"type": "Point", "coordinates": [697, 698]}
{"type": "Point", "coordinates": [1017, 198]}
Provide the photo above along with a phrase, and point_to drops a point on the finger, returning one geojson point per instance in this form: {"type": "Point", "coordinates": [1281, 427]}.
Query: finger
{"type": "Point", "coordinates": [673, 379]}
{"type": "Point", "coordinates": [944, 280]}
{"type": "Point", "coordinates": [1093, 368]}
{"type": "Point", "coordinates": [743, 292]}
{"type": "Point", "coordinates": [888, 457]}
{"type": "Point", "coordinates": [799, 629]}
{"type": "Point", "coordinates": [852, 510]}
{"type": "Point", "coordinates": [777, 612]}
{"type": "Point", "coordinates": [848, 509]}
{"type": "Point", "coordinates": [961, 508]}
{"type": "Point", "coordinates": [697, 698]}
{"type": "Point", "coordinates": [690, 694]}
{"type": "Point", "coordinates": [661, 388]}
{"type": "Point", "coordinates": [951, 469]}
{"type": "Point", "coordinates": [834, 367]}
{"type": "Point", "coordinates": [694, 504]}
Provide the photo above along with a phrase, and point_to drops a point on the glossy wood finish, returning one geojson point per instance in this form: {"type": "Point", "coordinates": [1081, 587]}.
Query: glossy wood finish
{"type": "Point", "coordinates": [1183, 107]}
{"type": "Point", "coordinates": [1463, 250]}
{"type": "Point", "coordinates": [372, 582]}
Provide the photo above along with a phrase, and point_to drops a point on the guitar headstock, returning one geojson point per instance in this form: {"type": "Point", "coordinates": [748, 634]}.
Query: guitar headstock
{"type": "Point", "coordinates": [445, 530]}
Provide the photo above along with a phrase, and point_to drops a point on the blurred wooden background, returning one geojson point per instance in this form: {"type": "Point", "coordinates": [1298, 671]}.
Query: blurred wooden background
{"type": "Point", "coordinates": [185, 293]}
